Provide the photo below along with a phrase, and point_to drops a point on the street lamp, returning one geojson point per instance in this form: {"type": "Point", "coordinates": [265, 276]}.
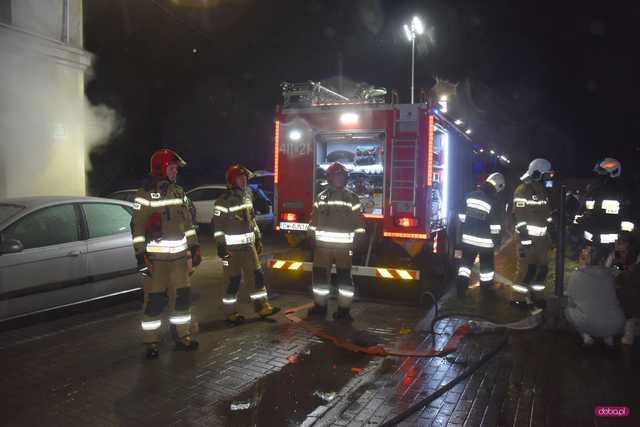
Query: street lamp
{"type": "Point", "coordinates": [410, 31]}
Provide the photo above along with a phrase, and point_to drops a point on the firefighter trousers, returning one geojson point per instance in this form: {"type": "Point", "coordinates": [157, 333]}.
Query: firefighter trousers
{"type": "Point", "coordinates": [532, 268]}
{"type": "Point", "coordinates": [323, 259]}
{"type": "Point", "coordinates": [487, 272]}
{"type": "Point", "coordinates": [243, 264]}
{"type": "Point", "coordinates": [169, 282]}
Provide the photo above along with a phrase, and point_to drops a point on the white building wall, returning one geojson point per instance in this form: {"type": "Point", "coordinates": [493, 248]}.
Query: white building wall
{"type": "Point", "coordinates": [42, 102]}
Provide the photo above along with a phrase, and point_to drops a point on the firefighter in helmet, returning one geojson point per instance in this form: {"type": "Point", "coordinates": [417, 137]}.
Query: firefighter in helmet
{"type": "Point", "coordinates": [532, 217]}
{"type": "Point", "coordinates": [239, 243]}
{"type": "Point", "coordinates": [606, 211]}
{"type": "Point", "coordinates": [335, 220]}
{"type": "Point", "coordinates": [481, 230]}
{"type": "Point", "coordinates": [166, 246]}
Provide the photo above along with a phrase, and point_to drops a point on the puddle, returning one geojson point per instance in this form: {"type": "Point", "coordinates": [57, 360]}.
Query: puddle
{"type": "Point", "coordinates": [286, 397]}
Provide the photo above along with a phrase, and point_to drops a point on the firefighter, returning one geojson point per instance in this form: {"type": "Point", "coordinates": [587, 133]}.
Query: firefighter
{"type": "Point", "coordinates": [239, 242]}
{"type": "Point", "coordinates": [532, 216]}
{"type": "Point", "coordinates": [481, 230]}
{"type": "Point", "coordinates": [605, 213]}
{"type": "Point", "coordinates": [166, 246]}
{"type": "Point", "coordinates": [335, 220]}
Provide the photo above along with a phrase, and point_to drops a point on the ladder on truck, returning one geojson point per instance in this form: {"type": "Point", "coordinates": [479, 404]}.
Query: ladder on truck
{"type": "Point", "coordinates": [313, 93]}
{"type": "Point", "coordinates": [404, 161]}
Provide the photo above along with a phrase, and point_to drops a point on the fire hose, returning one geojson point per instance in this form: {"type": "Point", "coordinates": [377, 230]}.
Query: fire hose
{"type": "Point", "coordinates": [476, 323]}
{"type": "Point", "coordinates": [442, 390]}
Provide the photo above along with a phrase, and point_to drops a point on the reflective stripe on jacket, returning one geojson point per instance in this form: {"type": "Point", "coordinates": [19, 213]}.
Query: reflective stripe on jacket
{"type": "Point", "coordinates": [336, 217]}
{"type": "Point", "coordinates": [531, 209]}
{"type": "Point", "coordinates": [234, 220]}
{"type": "Point", "coordinates": [162, 220]}
{"type": "Point", "coordinates": [481, 224]}
{"type": "Point", "coordinates": [605, 212]}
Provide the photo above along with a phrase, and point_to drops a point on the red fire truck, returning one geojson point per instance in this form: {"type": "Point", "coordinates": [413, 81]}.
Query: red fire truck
{"type": "Point", "coordinates": [410, 165]}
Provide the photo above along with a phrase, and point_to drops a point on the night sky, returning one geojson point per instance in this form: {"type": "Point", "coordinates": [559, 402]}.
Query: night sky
{"type": "Point", "coordinates": [538, 78]}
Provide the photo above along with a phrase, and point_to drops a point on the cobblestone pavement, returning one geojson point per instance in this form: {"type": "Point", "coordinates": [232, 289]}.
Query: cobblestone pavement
{"type": "Point", "coordinates": [87, 369]}
{"type": "Point", "coordinates": [539, 378]}
{"type": "Point", "coordinates": [542, 377]}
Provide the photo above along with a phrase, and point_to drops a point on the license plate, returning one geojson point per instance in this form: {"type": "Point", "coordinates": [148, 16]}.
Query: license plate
{"type": "Point", "coordinates": [296, 226]}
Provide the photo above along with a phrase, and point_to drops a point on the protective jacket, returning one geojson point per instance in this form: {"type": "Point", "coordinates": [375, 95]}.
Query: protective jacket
{"type": "Point", "coordinates": [481, 224]}
{"type": "Point", "coordinates": [234, 219]}
{"type": "Point", "coordinates": [605, 213]}
{"type": "Point", "coordinates": [162, 222]}
{"type": "Point", "coordinates": [336, 217]}
{"type": "Point", "coordinates": [532, 211]}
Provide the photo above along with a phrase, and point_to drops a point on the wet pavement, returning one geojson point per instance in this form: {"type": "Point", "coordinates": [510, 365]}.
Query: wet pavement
{"type": "Point", "coordinates": [87, 369]}
{"type": "Point", "coordinates": [310, 380]}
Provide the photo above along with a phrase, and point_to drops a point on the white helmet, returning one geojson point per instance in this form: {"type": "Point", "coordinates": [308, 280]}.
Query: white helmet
{"type": "Point", "coordinates": [497, 180]}
{"type": "Point", "coordinates": [609, 166]}
{"type": "Point", "coordinates": [537, 168]}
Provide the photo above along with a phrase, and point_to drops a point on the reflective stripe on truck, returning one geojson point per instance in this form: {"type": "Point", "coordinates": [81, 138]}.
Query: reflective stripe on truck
{"type": "Point", "coordinates": [356, 270]}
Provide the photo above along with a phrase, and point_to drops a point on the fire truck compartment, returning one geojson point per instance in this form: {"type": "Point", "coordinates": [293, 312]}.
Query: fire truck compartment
{"type": "Point", "coordinates": [362, 153]}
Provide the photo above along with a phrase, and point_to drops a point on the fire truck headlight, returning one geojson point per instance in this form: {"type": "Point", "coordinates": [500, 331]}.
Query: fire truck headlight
{"type": "Point", "coordinates": [349, 118]}
{"type": "Point", "coordinates": [295, 135]}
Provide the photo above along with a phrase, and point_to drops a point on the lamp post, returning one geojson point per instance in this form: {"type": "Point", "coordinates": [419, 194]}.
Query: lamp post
{"type": "Point", "coordinates": [410, 31]}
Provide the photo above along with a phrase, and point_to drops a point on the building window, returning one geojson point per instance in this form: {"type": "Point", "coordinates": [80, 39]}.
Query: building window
{"type": "Point", "coordinates": [5, 11]}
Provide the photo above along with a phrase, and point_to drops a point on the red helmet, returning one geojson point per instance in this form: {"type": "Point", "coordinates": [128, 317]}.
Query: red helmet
{"type": "Point", "coordinates": [235, 171]}
{"type": "Point", "coordinates": [337, 168]}
{"type": "Point", "coordinates": [161, 159]}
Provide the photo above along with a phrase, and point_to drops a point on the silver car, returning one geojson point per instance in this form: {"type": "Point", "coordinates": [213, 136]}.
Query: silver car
{"type": "Point", "coordinates": [59, 251]}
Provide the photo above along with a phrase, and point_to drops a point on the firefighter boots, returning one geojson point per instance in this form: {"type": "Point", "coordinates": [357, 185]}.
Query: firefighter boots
{"type": "Point", "coordinates": [342, 315]}
{"type": "Point", "coordinates": [268, 310]}
{"type": "Point", "coordinates": [153, 351]}
{"type": "Point", "coordinates": [235, 319]}
{"type": "Point", "coordinates": [187, 343]}
{"type": "Point", "coordinates": [317, 311]}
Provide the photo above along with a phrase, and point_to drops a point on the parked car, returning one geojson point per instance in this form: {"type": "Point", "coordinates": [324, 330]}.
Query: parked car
{"type": "Point", "coordinates": [203, 198]}
{"type": "Point", "coordinates": [126, 195]}
{"type": "Point", "coordinates": [59, 251]}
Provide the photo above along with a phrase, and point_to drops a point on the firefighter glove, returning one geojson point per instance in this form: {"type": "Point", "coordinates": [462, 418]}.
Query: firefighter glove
{"type": "Point", "coordinates": [259, 246]}
{"type": "Point", "coordinates": [141, 261]}
{"type": "Point", "coordinates": [196, 255]}
{"type": "Point", "coordinates": [222, 250]}
{"type": "Point", "coordinates": [143, 265]}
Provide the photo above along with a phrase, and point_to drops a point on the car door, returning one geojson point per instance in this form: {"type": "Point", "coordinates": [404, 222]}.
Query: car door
{"type": "Point", "coordinates": [52, 268]}
{"type": "Point", "coordinates": [196, 199]}
{"type": "Point", "coordinates": [111, 260]}
{"type": "Point", "coordinates": [203, 200]}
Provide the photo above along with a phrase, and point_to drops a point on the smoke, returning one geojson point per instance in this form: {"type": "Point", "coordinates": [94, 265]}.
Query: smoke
{"type": "Point", "coordinates": [372, 15]}
{"type": "Point", "coordinates": [47, 125]}
{"type": "Point", "coordinates": [101, 125]}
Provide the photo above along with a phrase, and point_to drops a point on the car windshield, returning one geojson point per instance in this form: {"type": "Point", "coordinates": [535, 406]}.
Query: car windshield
{"type": "Point", "coordinates": [7, 211]}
